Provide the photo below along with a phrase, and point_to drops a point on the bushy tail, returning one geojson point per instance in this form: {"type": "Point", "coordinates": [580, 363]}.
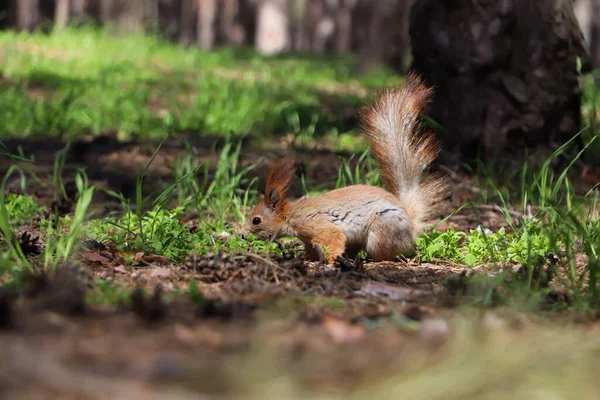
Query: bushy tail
{"type": "Point", "coordinates": [403, 149]}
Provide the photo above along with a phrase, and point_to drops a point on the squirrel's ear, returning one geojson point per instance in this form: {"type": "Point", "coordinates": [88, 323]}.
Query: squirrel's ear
{"type": "Point", "coordinates": [273, 199]}
{"type": "Point", "coordinates": [278, 181]}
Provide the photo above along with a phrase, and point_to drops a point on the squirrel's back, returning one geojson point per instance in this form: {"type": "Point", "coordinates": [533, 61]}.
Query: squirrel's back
{"type": "Point", "coordinates": [403, 149]}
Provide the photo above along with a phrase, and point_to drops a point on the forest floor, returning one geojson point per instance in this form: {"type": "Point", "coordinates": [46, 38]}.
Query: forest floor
{"type": "Point", "coordinates": [124, 276]}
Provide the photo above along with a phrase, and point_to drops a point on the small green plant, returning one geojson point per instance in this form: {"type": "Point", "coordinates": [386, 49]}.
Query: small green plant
{"type": "Point", "coordinates": [479, 247]}
{"type": "Point", "coordinates": [21, 208]}
{"type": "Point", "coordinates": [441, 245]}
{"type": "Point", "coordinates": [61, 245]}
{"type": "Point", "coordinates": [160, 232]}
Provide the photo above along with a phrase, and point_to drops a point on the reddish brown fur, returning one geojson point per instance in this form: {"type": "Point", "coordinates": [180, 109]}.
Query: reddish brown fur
{"type": "Point", "coordinates": [280, 175]}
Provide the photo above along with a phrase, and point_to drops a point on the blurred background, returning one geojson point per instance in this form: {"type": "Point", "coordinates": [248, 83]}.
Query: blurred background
{"type": "Point", "coordinates": [377, 29]}
{"type": "Point", "coordinates": [516, 65]}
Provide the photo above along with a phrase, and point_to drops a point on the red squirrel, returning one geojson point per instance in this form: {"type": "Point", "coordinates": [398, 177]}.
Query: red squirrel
{"type": "Point", "coordinates": [385, 223]}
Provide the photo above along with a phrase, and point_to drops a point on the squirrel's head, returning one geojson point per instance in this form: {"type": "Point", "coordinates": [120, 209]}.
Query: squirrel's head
{"type": "Point", "coordinates": [267, 220]}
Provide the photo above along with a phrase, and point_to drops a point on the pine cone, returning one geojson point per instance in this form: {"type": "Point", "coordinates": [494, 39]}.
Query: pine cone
{"type": "Point", "coordinates": [31, 246]}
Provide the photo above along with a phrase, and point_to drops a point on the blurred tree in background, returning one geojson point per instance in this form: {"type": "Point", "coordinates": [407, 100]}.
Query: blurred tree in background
{"type": "Point", "coordinates": [377, 30]}
{"type": "Point", "coordinates": [505, 71]}
{"type": "Point", "coordinates": [509, 77]}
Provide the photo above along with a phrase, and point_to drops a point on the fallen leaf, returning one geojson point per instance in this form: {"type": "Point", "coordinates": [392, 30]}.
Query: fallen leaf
{"type": "Point", "coordinates": [93, 257]}
{"type": "Point", "coordinates": [342, 331]}
{"type": "Point", "coordinates": [155, 258]}
{"type": "Point", "coordinates": [392, 291]}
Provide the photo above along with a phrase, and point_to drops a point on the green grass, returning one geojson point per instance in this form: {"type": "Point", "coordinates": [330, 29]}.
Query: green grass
{"type": "Point", "coordinates": [86, 81]}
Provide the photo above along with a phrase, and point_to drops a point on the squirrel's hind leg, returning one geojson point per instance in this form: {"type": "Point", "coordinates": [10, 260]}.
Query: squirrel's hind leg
{"type": "Point", "coordinates": [389, 236]}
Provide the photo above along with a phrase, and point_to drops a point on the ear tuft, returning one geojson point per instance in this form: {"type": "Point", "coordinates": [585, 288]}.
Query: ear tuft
{"type": "Point", "coordinates": [273, 199]}
{"type": "Point", "coordinates": [278, 181]}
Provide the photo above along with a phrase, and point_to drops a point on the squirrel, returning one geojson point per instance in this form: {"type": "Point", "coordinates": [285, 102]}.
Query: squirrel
{"type": "Point", "coordinates": [385, 223]}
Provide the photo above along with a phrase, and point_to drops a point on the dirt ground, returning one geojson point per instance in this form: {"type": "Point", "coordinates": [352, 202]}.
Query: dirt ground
{"type": "Point", "coordinates": [331, 327]}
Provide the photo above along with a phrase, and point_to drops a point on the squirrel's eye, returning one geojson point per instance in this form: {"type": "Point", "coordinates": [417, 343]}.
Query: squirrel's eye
{"type": "Point", "coordinates": [256, 220]}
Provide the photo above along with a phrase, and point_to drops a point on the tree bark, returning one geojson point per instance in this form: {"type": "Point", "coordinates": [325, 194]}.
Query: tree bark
{"type": "Point", "coordinates": [504, 72]}
{"type": "Point", "coordinates": [207, 10]}
{"type": "Point", "coordinates": [595, 32]}
{"type": "Point", "coordinates": [28, 15]}
{"type": "Point", "coordinates": [61, 14]}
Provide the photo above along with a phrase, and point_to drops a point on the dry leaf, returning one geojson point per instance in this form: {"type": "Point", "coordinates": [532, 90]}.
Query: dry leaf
{"type": "Point", "coordinates": [93, 257]}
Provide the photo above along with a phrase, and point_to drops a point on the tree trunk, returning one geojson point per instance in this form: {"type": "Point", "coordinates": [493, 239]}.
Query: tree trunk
{"type": "Point", "coordinates": [107, 10]}
{"type": "Point", "coordinates": [504, 72]}
{"type": "Point", "coordinates": [247, 18]}
{"type": "Point", "coordinates": [169, 17]}
{"type": "Point", "coordinates": [131, 15]}
{"type": "Point", "coordinates": [152, 13]}
{"type": "Point", "coordinates": [187, 22]}
{"type": "Point", "coordinates": [207, 10]}
{"type": "Point", "coordinates": [344, 26]}
{"type": "Point", "coordinates": [583, 13]}
{"type": "Point", "coordinates": [79, 11]}
{"type": "Point", "coordinates": [375, 32]}
{"type": "Point", "coordinates": [298, 25]}
{"type": "Point", "coordinates": [272, 34]}
{"type": "Point", "coordinates": [61, 14]}
{"type": "Point", "coordinates": [230, 30]}
{"type": "Point", "coordinates": [595, 32]}
{"type": "Point", "coordinates": [79, 7]}
{"type": "Point", "coordinates": [314, 12]}
{"type": "Point", "coordinates": [397, 51]}
{"type": "Point", "coordinates": [28, 15]}
{"type": "Point", "coordinates": [322, 17]}
{"type": "Point", "coordinates": [7, 8]}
